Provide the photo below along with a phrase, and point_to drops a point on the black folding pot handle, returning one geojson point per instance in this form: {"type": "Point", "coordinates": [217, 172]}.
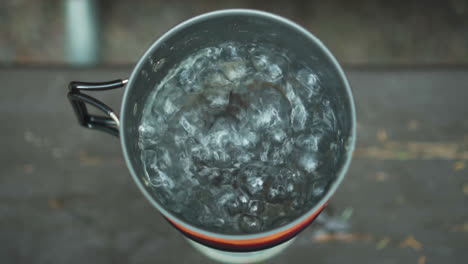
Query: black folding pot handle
{"type": "Point", "coordinates": [79, 100]}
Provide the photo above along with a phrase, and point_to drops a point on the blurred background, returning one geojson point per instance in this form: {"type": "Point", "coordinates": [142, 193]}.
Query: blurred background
{"type": "Point", "coordinates": [66, 195]}
{"type": "Point", "coordinates": [117, 32]}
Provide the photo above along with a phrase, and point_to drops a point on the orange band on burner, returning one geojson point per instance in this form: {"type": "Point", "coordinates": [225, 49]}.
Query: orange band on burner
{"type": "Point", "coordinates": [244, 243]}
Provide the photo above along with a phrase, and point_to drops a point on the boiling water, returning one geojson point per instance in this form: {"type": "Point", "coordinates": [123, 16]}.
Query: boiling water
{"type": "Point", "coordinates": [237, 139]}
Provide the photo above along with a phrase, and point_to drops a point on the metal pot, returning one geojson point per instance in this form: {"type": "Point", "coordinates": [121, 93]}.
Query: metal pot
{"type": "Point", "coordinates": [209, 29]}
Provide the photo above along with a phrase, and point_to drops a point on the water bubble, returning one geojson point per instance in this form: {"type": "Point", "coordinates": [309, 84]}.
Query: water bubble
{"type": "Point", "coordinates": [246, 138]}
{"type": "Point", "coordinates": [328, 117]}
{"type": "Point", "coordinates": [186, 164]}
{"type": "Point", "coordinates": [218, 222]}
{"type": "Point", "coordinates": [253, 179]}
{"type": "Point", "coordinates": [149, 157]}
{"type": "Point", "coordinates": [199, 152]}
{"type": "Point", "coordinates": [170, 107]}
{"type": "Point", "coordinates": [180, 200]}
{"type": "Point", "coordinates": [276, 193]}
{"type": "Point", "coordinates": [222, 156]}
{"type": "Point", "coordinates": [309, 81]}
{"type": "Point", "coordinates": [318, 188]}
{"type": "Point", "coordinates": [334, 154]}
{"type": "Point", "coordinates": [189, 128]}
{"type": "Point", "coordinates": [265, 150]}
{"type": "Point", "coordinates": [160, 179]}
{"type": "Point", "coordinates": [287, 147]}
{"type": "Point", "coordinates": [208, 218]}
{"type": "Point", "coordinates": [274, 72]}
{"type": "Point", "coordinates": [180, 137]}
{"type": "Point", "coordinates": [260, 62]}
{"type": "Point", "coordinates": [146, 131]}
{"type": "Point", "coordinates": [211, 175]}
{"type": "Point", "coordinates": [308, 141]}
{"type": "Point", "coordinates": [158, 65]}
{"type": "Point", "coordinates": [298, 203]}
{"type": "Point", "coordinates": [298, 114]}
{"type": "Point", "coordinates": [278, 135]}
{"type": "Point", "coordinates": [216, 79]}
{"type": "Point", "coordinates": [308, 162]}
{"type": "Point", "coordinates": [264, 65]}
{"type": "Point", "coordinates": [266, 117]}
{"type": "Point", "coordinates": [163, 158]}
{"type": "Point", "coordinates": [250, 224]}
{"type": "Point", "coordinates": [211, 53]}
{"type": "Point", "coordinates": [243, 200]}
{"type": "Point", "coordinates": [275, 156]}
{"type": "Point", "coordinates": [187, 77]}
{"type": "Point", "coordinates": [216, 142]}
{"type": "Point", "coordinates": [232, 52]}
{"type": "Point", "coordinates": [144, 74]}
{"type": "Point", "coordinates": [255, 207]}
{"type": "Point", "coordinates": [298, 117]}
{"type": "Point", "coordinates": [291, 179]}
{"type": "Point", "coordinates": [233, 207]}
{"type": "Point", "coordinates": [245, 157]}
{"type": "Point", "coordinates": [234, 70]}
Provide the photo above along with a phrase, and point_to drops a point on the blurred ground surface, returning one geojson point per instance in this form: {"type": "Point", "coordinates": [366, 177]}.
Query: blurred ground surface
{"type": "Point", "coordinates": [357, 32]}
{"type": "Point", "coordinates": [67, 197]}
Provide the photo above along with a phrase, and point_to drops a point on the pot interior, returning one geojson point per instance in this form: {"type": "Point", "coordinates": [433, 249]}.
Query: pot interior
{"type": "Point", "coordinates": [246, 29]}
